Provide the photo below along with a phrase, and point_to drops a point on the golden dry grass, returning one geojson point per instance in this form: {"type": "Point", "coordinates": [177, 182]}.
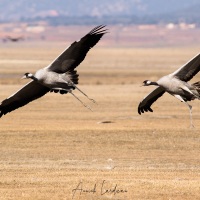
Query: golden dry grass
{"type": "Point", "coordinates": [51, 145]}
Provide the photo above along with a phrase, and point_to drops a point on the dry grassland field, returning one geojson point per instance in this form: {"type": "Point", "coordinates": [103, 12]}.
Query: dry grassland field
{"type": "Point", "coordinates": [54, 148]}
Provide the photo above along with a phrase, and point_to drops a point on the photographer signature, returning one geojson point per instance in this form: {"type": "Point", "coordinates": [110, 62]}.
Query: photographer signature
{"type": "Point", "coordinates": [101, 190]}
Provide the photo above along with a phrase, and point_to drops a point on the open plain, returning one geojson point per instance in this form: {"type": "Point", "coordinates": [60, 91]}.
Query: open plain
{"type": "Point", "coordinates": [54, 148]}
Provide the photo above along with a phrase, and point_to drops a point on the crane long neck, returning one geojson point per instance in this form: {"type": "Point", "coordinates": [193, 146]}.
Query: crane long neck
{"type": "Point", "coordinates": [154, 83]}
{"type": "Point", "coordinates": [34, 78]}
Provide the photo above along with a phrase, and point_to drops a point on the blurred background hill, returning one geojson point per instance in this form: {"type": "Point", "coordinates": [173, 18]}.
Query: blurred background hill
{"type": "Point", "coordinates": [130, 22]}
{"type": "Point", "coordinates": [64, 12]}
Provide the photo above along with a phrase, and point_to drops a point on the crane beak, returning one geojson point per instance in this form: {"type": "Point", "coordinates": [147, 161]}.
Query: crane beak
{"type": "Point", "coordinates": [23, 77]}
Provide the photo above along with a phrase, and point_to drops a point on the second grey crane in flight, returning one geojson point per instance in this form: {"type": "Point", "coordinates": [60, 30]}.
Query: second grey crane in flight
{"type": "Point", "coordinates": [60, 76]}
{"type": "Point", "coordinates": [175, 84]}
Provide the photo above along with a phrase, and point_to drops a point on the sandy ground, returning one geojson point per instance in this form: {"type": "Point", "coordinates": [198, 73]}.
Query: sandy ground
{"type": "Point", "coordinates": [54, 148]}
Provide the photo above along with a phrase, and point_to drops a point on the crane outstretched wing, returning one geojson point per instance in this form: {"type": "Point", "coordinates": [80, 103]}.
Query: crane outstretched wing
{"type": "Point", "coordinates": [76, 52]}
{"type": "Point", "coordinates": [190, 69]}
{"type": "Point", "coordinates": [145, 104]}
{"type": "Point", "coordinates": [31, 91]}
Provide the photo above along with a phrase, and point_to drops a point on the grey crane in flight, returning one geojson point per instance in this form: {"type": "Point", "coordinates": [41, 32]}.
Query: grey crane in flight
{"type": "Point", "coordinates": [175, 84]}
{"type": "Point", "coordinates": [60, 76]}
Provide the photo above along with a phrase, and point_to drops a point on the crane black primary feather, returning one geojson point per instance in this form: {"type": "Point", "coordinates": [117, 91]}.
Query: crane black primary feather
{"type": "Point", "coordinates": [77, 51]}
{"type": "Point", "coordinates": [31, 91]}
{"type": "Point", "coordinates": [145, 104]}
{"type": "Point", "coordinates": [189, 70]}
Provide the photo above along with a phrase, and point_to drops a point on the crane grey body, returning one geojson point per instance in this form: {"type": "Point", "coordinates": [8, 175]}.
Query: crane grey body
{"type": "Point", "coordinates": [175, 84]}
{"type": "Point", "coordinates": [60, 76]}
{"type": "Point", "coordinates": [52, 79]}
